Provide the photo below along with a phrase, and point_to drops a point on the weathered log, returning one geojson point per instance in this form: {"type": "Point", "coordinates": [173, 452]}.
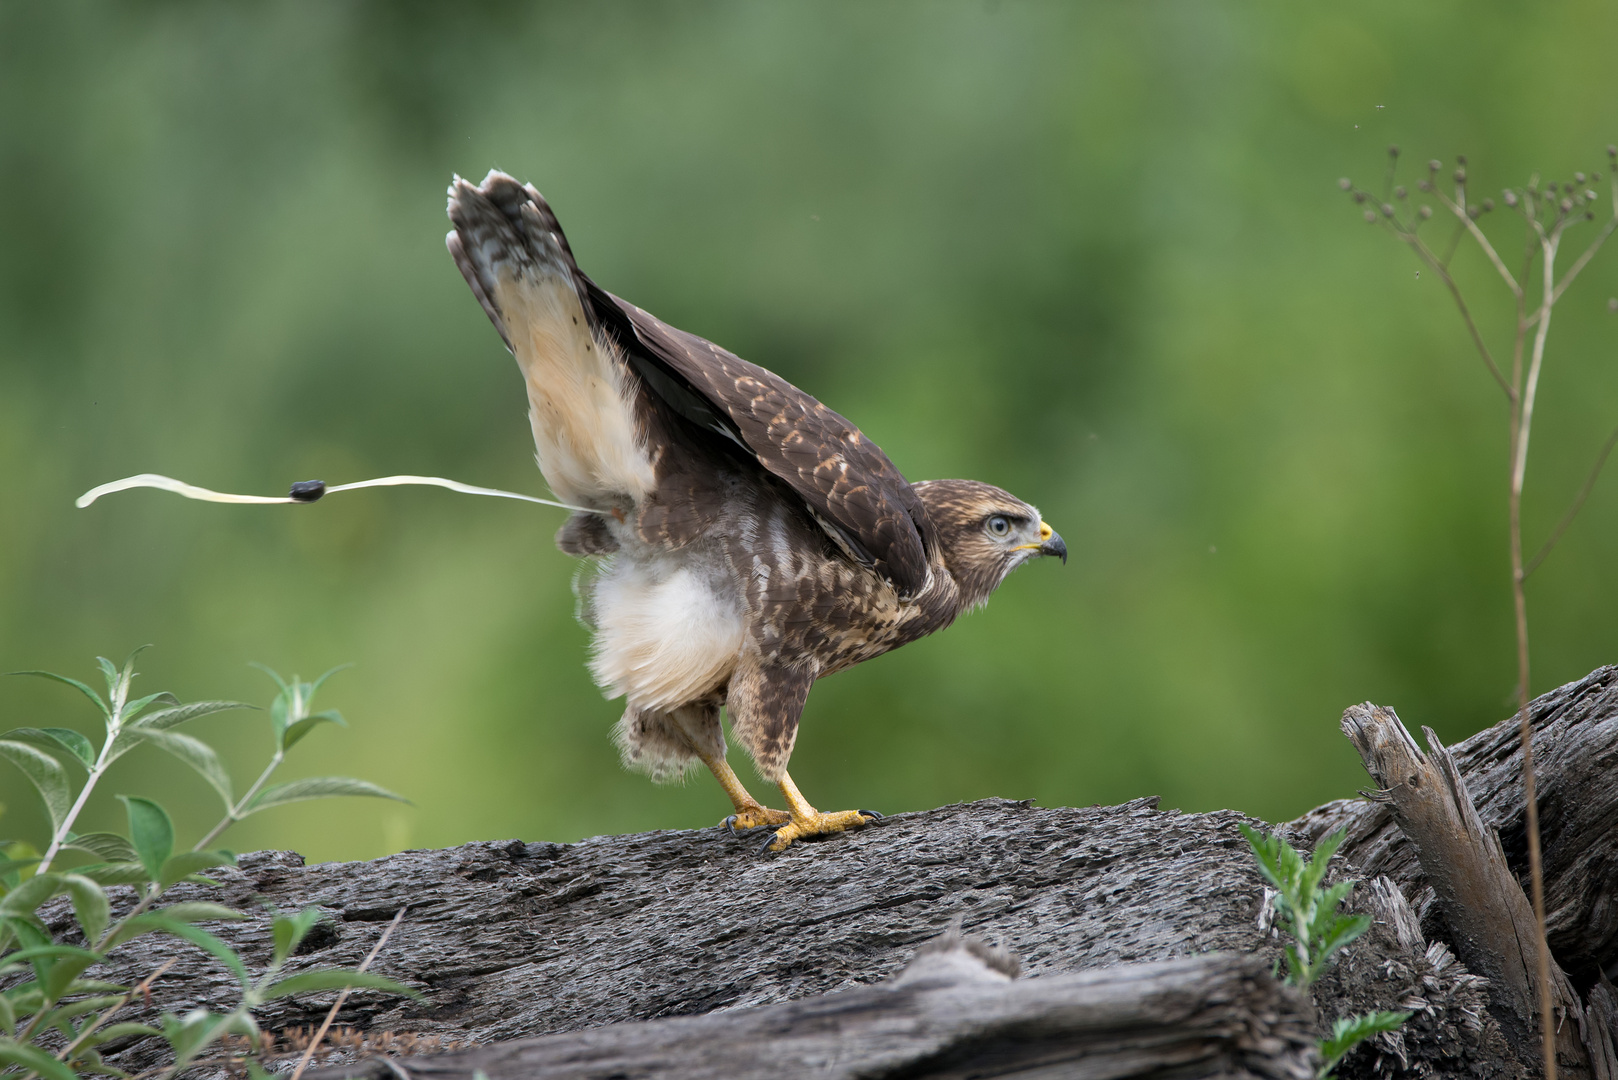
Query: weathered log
{"type": "Point", "coordinates": [1576, 759]}
{"type": "Point", "coordinates": [515, 940]}
{"type": "Point", "coordinates": [1490, 921]}
{"type": "Point", "coordinates": [1219, 1016]}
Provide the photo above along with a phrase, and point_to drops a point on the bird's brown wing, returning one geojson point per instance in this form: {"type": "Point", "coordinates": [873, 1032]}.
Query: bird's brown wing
{"type": "Point", "coordinates": [848, 483]}
{"type": "Point", "coordinates": [843, 478]}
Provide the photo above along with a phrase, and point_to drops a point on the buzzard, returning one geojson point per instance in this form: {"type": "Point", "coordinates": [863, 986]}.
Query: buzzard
{"type": "Point", "coordinates": [747, 539]}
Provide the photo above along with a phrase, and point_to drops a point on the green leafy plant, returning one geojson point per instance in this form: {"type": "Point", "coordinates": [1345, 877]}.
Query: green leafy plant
{"type": "Point", "coordinates": [1348, 1032]}
{"type": "Point", "coordinates": [53, 1019]}
{"type": "Point", "coordinates": [1308, 912]}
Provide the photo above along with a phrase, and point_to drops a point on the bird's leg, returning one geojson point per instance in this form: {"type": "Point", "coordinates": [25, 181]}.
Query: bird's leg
{"type": "Point", "coordinates": [750, 813]}
{"type": "Point", "coordinates": [807, 821]}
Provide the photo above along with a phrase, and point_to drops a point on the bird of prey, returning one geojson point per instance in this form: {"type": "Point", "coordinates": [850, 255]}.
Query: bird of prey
{"type": "Point", "coordinates": [749, 540]}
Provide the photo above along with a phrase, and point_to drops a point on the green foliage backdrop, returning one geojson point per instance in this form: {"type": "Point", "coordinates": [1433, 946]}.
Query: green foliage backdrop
{"type": "Point", "coordinates": [1092, 252]}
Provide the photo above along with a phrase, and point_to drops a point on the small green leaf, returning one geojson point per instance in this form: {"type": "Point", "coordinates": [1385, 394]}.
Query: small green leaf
{"type": "Point", "coordinates": [189, 1035]}
{"type": "Point", "coordinates": [76, 684]}
{"type": "Point", "coordinates": [1266, 852]}
{"type": "Point", "coordinates": [46, 774]}
{"type": "Point", "coordinates": [271, 672]}
{"type": "Point", "coordinates": [181, 866]}
{"type": "Point", "coordinates": [328, 979]}
{"type": "Point", "coordinates": [198, 911]}
{"type": "Point", "coordinates": [13, 1052]}
{"type": "Point", "coordinates": [129, 736]}
{"type": "Point", "coordinates": [74, 743]}
{"type": "Point", "coordinates": [115, 873]}
{"type": "Point", "coordinates": [51, 952]}
{"type": "Point", "coordinates": [89, 904]}
{"type": "Point", "coordinates": [96, 986]}
{"type": "Point", "coordinates": [318, 683]}
{"type": "Point", "coordinates": [1344, 929]}
{"type": "Point", "coordinates": [109, 846]}
{"type": "Point", "coordinates": [118, 1031]}
{"type": "Point", "coordinates": [133, 709]}
{"type": "Point", "coordinates": [1348, 1032]}
{"type": "Point", "coordinates": [1316, 871]}
{"type": "Point", "coordinates": [164, 719]}
{"type": "Point", "coordinates": [295, 732]}
{"type": "Point", "coordinates": [66, 970]}
{"type": "Point", "coordinates": [136, 732]}
{"type": "Point", "coordinates": [317, 787]}
{"type": "Point", "coordinates": [25, 898]}
{"type": "Point", "coordinates": [200, 756]}
{"type": "Point", "coordinates": [156, 920]}
{"type": "Point", "coordinates": [26, 999]}
{"type": "Point", "coordinates": [151, 831]}
{"type": "Point", "coordinates": [87, 1005]}
{"type": "Point", "coordinates": [289, 930]}
{"type": "Point", "coordinates": [109, 672]}
{"type": "Point", "coordinates": [279, 710]}
{"type": "Point", "coordinates": [12, 866]}
{"type": "Point", "coordinates": [8, 1016]}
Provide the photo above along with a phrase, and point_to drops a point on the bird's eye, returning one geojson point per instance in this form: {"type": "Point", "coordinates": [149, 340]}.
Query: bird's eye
{"type": "Point", "coordinates": [999, 526]}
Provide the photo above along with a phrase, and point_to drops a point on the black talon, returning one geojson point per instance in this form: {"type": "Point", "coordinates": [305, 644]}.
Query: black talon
{"type": "Point", "coordinates": [873, 814]}
{"type": "Point", "coordinates": [768, 840]}
{"type": "Point", "coordinates": [730, 823]}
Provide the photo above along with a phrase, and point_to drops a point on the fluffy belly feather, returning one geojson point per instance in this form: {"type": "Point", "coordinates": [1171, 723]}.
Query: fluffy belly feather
{"type": "Point", "coordinates": [664, 635]}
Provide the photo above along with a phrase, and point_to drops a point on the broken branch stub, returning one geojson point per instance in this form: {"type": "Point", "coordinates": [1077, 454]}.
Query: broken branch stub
{"type": "Point", "coordinates": [1489, 918]}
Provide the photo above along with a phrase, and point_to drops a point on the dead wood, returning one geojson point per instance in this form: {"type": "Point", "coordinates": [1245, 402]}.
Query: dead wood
{"type": "Point", "coordinates": [1491, 923]}
{"type": "Point", "coordinates": [516, 940]}
{"type": "Point", "coordinates": [1220, 1016]}
{"type": "Point", "coordinates": [1576, 755]}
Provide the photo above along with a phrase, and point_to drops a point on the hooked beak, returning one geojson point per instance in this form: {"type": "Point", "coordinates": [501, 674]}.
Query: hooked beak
{"type": "Point", "coordinates": [1050, 543]}
{"type": "Point", "coordinates": [1054, 546]}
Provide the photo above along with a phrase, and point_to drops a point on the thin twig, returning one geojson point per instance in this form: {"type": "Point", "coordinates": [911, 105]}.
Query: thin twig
{"type": "Point", "coordinates": [1523, 429]}
{"type": "Point", "coordinates": [1483, 241]}
{"type": "Point", "coordinates": [309, 1051]}
{"type": "Point", "coordinates": [1578, 504]}
{"type": "Point", "coordinates": [1583, 260]}
{"type": "Point", "coordinates": [1426, 256]}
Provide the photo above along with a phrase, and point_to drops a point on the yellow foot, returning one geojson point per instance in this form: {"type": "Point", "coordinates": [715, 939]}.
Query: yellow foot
{"type": "Point", "coordinates": [755, 817]}
{"type": "Point", "coordinates": [818, 824]}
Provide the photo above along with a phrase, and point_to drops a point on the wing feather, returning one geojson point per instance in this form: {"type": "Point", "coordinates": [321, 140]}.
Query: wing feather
{"type": "Point", "coordinates": [841, 475]}
{"type": "Point", "coordinates": [845, 480]}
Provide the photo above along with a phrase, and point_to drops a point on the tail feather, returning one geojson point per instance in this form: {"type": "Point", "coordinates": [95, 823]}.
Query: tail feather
{"type": "Point", "coordinates": [512, 252]}
{"type": "Point", "coordinates": [501, 224]}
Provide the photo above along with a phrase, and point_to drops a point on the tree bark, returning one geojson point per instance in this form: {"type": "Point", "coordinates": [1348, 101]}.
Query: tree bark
{"type": "Point", "coordinates": [1205, 1016]}
{"type": "Point", "coordinates": [516, 940]}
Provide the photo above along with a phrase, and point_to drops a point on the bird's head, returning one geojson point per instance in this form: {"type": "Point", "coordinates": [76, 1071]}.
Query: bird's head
{"type": "Point", "coordinates": [985, 533]}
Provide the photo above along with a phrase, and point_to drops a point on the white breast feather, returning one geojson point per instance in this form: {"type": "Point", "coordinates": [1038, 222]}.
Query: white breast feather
{"type": "Point", "coordinates": [664, 636]}
{"type": "Point", "coordinates": [585, 434]}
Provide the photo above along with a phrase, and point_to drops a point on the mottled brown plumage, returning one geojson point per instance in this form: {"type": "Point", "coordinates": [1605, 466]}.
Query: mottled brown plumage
{"type": "Point", "coordinates": [747, 539]}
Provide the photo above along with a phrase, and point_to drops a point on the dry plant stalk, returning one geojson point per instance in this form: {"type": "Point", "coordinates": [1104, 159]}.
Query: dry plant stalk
{"type": "Point", "coordinates": [1547, 212]}
{"type": "Point", "coordinates": [314, 1043]}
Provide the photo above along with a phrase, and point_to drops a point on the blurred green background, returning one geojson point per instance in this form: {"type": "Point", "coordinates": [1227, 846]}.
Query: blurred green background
{"type": "Point", "coordinates": [1094, 253]}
